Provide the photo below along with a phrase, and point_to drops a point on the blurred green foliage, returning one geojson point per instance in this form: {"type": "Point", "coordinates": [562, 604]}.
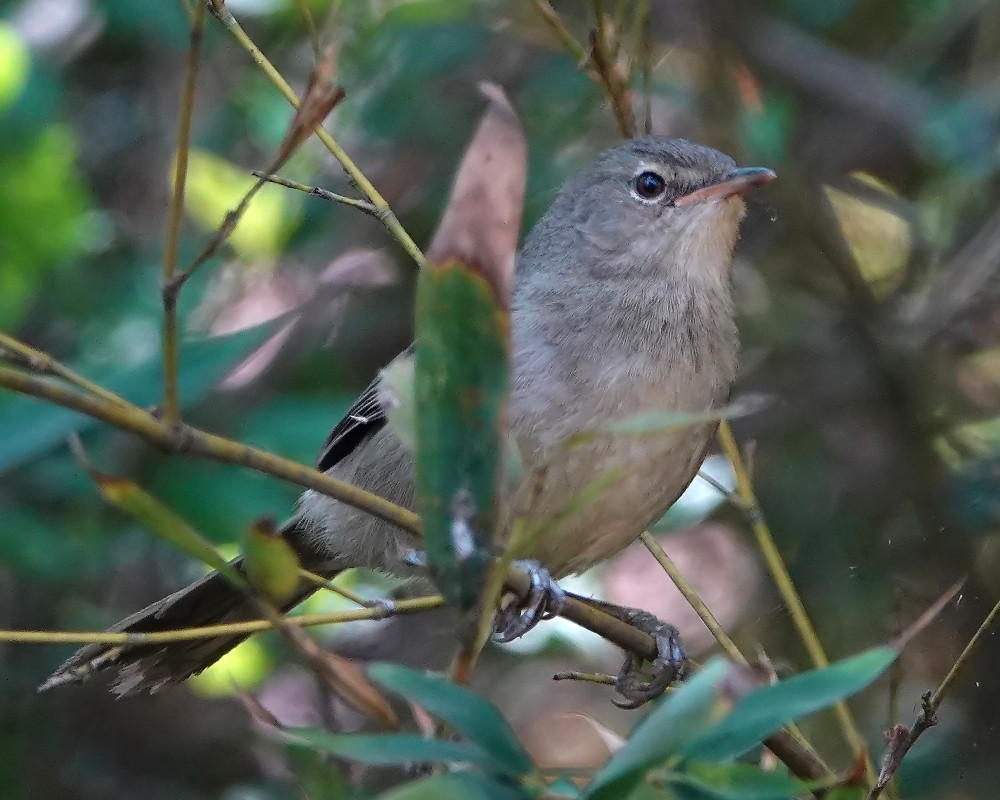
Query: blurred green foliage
{"type": "Point", "coordinates": [876, 467]}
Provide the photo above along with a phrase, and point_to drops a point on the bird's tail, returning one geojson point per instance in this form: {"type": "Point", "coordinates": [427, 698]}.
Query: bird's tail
{"type": "Point", "coordinates": [212, 600]}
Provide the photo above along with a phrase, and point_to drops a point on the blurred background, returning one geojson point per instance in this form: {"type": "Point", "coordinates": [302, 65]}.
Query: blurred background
{"type": "Point", "coordinates": [869, 305]}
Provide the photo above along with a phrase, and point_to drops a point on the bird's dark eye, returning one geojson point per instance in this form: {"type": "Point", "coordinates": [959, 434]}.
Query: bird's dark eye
{"type": "Point", "coordinates": [649, 185]}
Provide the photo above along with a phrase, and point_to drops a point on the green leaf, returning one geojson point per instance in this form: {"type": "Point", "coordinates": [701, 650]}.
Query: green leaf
{"type": "Point", "coordinates": [30, 427]}
{"type": "Point", "coordinates": [461, 385]}
{"type": "Point", "coordinates": [664, 421]}
{"type": "Point", "coordinates": [471, 715]}
{"type": "Point", "coordinates": [160, 520]}
{"type": "Point", "coordinates": [690, 708]}
{"type": "Point", "coordinates": [737, 781]}
{"type": "Point", "coordinates": [399, 748]}
{"type": "Point", "coordinates": [456, 786]}
{"type": "Point", "coordinates": [764, 710]}
{"type": "Point", "coordinates": [270, 562]}
{"type": "Point", "coordinates": [847, 793]}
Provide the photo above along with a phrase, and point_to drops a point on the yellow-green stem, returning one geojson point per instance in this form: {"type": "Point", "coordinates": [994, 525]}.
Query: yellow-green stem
{"type": "Point", "coordinates": [171, 410]}
{"type": "Point", "coordinates": [783, 582]}
{"type": "Point", "coordinates": [44, 364]}
{"type": "Point", "coordinates": [385, 213]}
{"type": "Point", "coordinates": [183, 439]}
{"type": "Point", "coordinates": [711, 622]}
{"type": "Point", "coordinates": [228, 629]}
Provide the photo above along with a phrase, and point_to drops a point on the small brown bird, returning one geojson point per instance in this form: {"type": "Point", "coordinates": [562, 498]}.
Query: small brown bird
{"type": "Point", "coordinates": [621, 303]}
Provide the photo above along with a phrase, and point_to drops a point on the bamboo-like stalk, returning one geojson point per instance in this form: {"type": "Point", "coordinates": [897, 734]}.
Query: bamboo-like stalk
{"type": "Point", "coordinates": [171, 410]}
{"type": "Point", "coordinates": [783, 581]}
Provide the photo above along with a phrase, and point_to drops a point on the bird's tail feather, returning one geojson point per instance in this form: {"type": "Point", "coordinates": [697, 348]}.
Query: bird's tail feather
{"type": "Point", "coordinates": [212, 600]}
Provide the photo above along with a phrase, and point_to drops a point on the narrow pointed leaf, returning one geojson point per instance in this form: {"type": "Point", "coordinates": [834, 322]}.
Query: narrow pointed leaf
{"type": "Point", "coordinates": [462, 356]}
{"type": "Point", "coordinates": [162, 521]}
{"type": "Point", "coordinates": [401, 748]}
{"type": "Point", "coordinates": [457, 786]}
{"type": "Point", "coordinates": [761, 712]}
{"type": "Point", "coordinates": [468, 713]}
{"type": "Point", "coordinates": [735, 781]}
{"type": "Point", "coordinates": [692, 707]}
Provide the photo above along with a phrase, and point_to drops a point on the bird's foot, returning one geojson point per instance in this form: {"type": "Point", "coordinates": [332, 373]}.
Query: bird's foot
{"type": "Point", "coordinates": [636, 685]}
{"type": "Point", "coordinates": [545, 599]}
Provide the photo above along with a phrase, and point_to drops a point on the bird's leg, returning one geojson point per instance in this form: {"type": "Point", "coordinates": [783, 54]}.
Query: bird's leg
{"type": "Point", "coordinates": [545, 599]}
{"type": "Point", "coordinates": [669, 665]}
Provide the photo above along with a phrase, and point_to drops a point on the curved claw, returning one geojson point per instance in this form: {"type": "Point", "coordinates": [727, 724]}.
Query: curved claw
{"type": "Point", "coordinates": [545, 600]}
{"type": "Point", "coordinates": [668, 666]}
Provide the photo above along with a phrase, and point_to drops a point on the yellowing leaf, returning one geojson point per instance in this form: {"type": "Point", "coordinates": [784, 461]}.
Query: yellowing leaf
{"type": "Point", "coordinates": [13, 65]}
{"type": "Point", "coordinates": [270, 563]}
{"type": "Point", "coordinates": [880, 240]}
{"type": "Point", "coordinates": [161, 520]}
{"type": "Point", "coordinates": [247, 665]}
{"type": "Point", "coordinates": [216, 186]}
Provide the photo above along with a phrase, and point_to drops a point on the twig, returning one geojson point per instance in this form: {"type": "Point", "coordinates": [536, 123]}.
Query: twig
{"type": "Point", "coordinates": [712, 623]}
{"type": "Point", "coordinates": [902, 740]}
{"type": "Point", "coordinates": [605, 76]}
{"type": "Point", "coordinates": [316, 191]}
{"type": "Point", "coordinates": [704, 613]}
{"type": "Point", "coordinates": [412, 606]}
{"type": "Point", "coordinates": [43, 364]}
{"type": "Point", "coordinates": [586, 677]}
{"type": "Point", "coordinates": [305, 14]}
{"type": "Point", "coordinates": [783, 582]}
{"type": "Point", "coordinates": [330, 586]}
{"type": "Point", "coordinates": [642, 58]}
{"type": "Point", "coordinates": [185, 439]}
{"type": "Point", "coordinates": [171, 409]}
{"type": "Point", "coordinates": [615, 83]}
{"type": "Point", "coordinates": [385, 214]}
{"type": "Point", "coordinates": [562, 33]}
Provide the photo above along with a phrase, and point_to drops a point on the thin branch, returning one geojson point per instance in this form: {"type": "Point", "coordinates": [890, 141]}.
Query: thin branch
{"type": "Point", "coordinates": [412, 606]}
{"type": "Point", "coordinates": [712, 623]}
{"type": "Point", "coordinates": [615, 83]}
{"type": "Point", "coordinates": [585, 677]}
{"type": "Point", "coordinates": [562, 33]}
{"type": "Point", "coordinates": [704, 613]}
{"type": "Point", "coordinates": [305, 14]}
{"type": "Point", "coordinates": [316, 191]}
{"type": "Point", "coordinates": [171, 409]}
{"type": "Point", "coordinates": [43, 364]}
{"type": "Point", "coordinates": [641, 59]}
{"type": "Point", "coordinates": [185, 439]}
{"type": "Point", "coordinates": [385, 213]}
{"type": "Point", "coordinates": [330, 586]}
{"type": "Point", "coordinates": [783, 582]}
{"type": "Point", "coordinates": [902, 739]}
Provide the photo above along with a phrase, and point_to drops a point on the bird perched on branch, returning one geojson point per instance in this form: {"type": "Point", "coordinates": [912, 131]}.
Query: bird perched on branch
{"type": "Point", "coordinates": [621, 303]}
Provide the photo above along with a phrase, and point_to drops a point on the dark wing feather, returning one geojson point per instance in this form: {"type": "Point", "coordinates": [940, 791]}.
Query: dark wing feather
{"type": "Point", "coordinates": [363, 419]}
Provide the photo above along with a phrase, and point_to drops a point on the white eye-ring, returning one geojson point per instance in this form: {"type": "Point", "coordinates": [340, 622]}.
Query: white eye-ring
{"type": "Point", "coordinates": [648, 185]}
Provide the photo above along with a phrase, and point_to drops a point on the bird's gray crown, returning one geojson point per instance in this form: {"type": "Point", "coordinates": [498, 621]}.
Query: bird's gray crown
{"type": "Point", "coordinates": [684, 166]}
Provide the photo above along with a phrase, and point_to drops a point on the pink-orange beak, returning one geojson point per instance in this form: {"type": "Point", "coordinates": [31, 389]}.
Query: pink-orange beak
{"type": "Point", "coordinates": [734, 183]}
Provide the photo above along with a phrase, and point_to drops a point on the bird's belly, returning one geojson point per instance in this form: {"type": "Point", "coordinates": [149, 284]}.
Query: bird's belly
{"type": "Point", "coordinates": [597, 498]}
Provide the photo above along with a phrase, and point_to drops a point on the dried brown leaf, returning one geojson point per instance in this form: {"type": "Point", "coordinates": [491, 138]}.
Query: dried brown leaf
{"type": "Point", "coordinates": [343, 678]}
{"type": "Point", "coordinates": [480, 224]}
{"type": "Point", "coordinates": [255, 710]}
{"type": "Point", "coordinates": [318, 101]}
{"type": "Point", "coordinates": [926, 618]}
{"type": "Point", "coordinates": [897, 740]}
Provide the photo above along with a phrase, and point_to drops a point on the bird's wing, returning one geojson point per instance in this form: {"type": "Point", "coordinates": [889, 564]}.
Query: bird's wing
{"type": "Point", "coordinates": [364, 418]}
